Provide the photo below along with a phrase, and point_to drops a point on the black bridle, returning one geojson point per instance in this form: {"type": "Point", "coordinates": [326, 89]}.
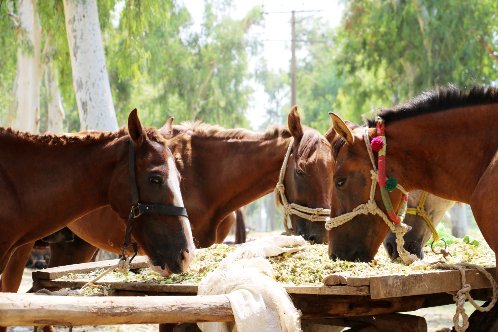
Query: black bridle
{"type": "Point", "coordinates": [138, 209]}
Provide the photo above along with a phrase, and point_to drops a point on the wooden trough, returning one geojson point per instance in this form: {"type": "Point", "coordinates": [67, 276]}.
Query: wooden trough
{"type": "Point", "coordinates": [338, 297]}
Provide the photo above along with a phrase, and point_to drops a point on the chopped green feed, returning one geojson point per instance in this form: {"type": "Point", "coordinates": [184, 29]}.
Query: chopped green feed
{"type": "Point", "coordinates": [307, 266]}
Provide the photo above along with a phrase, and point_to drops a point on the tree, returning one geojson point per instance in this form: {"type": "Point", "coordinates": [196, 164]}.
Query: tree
{"type": "Point", "coordinates": [9, 44]}
{"type": "Point", "coordinates": [26, 105]}
{"type": "Point", "coordinates": [389, 51]}
{"type": "Point", "coordinates": [193, 75]}
{"type": "Point", "coordinates": [90, 78]}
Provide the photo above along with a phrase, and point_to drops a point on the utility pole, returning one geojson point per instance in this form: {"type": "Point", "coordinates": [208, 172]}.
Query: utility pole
{"type": "Point", "coordinates": [293, 59]}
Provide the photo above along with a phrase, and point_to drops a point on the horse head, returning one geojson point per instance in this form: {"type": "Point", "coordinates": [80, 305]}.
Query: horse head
{"type": "Point", "coordinates": [359, 235]}
{"type": "Point", "coordinates": [307, 179]}
{"type": "Point", "coordinates": [145, 190]}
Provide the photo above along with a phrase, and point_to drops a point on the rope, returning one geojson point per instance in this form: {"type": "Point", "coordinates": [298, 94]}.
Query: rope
{"type": "Point", "coordinates": [420, 211]}
{"type": "Point", "coordinates": [464, 294]}
{"type": "Point", "coordinates": [311, 214]}
{"type": "Point", "coordinates": [123, 265]}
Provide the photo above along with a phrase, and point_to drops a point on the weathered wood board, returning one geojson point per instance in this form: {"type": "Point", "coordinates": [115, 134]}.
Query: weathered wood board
{"type": "Point", "coordinates": [339, 296]}
{"type": "Point", "coordinates": [416, 283]}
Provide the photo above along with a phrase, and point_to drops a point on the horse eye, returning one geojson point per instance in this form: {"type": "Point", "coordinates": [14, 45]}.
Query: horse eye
{"type": "Point", "coordinates": [340, 182]}
{"type": "Point", "coordinates": [299, 172]}
{"type": "Point", "coordinates": [156, 179]}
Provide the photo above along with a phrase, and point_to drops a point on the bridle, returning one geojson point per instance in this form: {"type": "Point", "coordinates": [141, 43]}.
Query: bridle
{"type": "Point", "coordinates": [138, 209]}
{"type": "Point", "coordinates": [378, 175]}
{"type": "Point", "coordinates": [311, 214]}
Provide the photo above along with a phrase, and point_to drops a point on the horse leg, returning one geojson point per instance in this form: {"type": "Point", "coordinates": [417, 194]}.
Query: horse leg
{"type": "Point", "coordinates": [12, 274]}
{"type": "Point", "coordinates": [65, 253]}
{"type": "Point", "coordinates": [483, 203]}
{"type": "Point", "coordinates": [240, 227]}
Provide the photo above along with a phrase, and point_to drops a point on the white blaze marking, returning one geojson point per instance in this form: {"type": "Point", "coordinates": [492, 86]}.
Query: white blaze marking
{"type": "Point", "coordinates": [174, 185]}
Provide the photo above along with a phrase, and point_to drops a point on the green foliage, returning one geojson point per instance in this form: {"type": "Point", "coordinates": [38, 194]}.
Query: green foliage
{"type": "Point", "coordinates": [8, 45]}
{"type": "Point", "coordinates": [166, 68]}
{"type": "Point", "coordinates": [389, 51]}
{"type": "Point", "coordinates": [156, 61]}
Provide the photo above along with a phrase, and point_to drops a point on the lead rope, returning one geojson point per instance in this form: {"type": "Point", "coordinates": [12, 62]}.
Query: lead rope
{"type": "Point", "coordinates": [464, 294]}
{"type": "Point", "coordinates": [311, 214]}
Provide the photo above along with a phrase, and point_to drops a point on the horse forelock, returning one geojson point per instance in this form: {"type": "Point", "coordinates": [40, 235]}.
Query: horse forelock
{"type": "Point", "coordinates": [310, 143]}
{"type": "Point", "coordinates": [438, 100]}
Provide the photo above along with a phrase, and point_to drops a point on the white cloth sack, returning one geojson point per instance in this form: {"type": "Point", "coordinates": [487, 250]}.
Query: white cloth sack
{"type": "Point", "coordinates": [258, 302]}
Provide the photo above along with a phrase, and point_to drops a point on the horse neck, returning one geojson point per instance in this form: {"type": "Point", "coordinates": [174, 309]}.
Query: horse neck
{"type": "Point", "coordinates": [60, 182]}
{"type": "Point", "coordinates": [432, 152]}
{"type": "Point", "coordinates": [235, 172]}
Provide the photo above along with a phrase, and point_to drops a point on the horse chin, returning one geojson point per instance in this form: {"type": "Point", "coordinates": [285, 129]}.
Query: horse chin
{"type": "Point", "coordinates": [162, 271]}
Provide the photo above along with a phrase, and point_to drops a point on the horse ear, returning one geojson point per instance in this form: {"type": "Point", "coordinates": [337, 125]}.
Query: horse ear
{"type": "Point", "coordinates": [135, 129]}
{"type": "Point", "coordinates": [341, 128]}
{"type": "Point", "coordinates": [294, 123]}
{"type": "Point", "coordinates": [167, 129]}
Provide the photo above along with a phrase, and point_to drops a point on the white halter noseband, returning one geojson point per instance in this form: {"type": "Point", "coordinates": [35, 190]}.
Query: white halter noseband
{"type": "Point", "coordinates": [316, 214]}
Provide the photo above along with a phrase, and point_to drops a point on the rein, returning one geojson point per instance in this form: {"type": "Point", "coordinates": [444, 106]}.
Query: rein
{"type": "Point", "coordinates": [378, 175]}
{"type": "Point", "coordinates": [138, 209]}
{"type": "Point", "coordinates": [316, 214]}
{"type": "Point", "coordinates": [420, 211]}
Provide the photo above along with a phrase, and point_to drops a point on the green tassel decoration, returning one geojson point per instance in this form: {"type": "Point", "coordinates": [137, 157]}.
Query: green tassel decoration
{"type": "Point", "coordinates": [391, 184]}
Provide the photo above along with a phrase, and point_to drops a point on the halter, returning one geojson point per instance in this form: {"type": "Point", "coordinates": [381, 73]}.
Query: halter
{"type": "Point", "coordinates": [420, 211]}
{"type": "Point", "coordinates": [317, 214]}
{"type": "Point", "coordinates": [138, 209]}
{"type": "Point", "coordinates": [378, 175]}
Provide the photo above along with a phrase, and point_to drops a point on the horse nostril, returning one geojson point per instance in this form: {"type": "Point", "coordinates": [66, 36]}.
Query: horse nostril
{"type": "Point", "coordinates": [186, 250]}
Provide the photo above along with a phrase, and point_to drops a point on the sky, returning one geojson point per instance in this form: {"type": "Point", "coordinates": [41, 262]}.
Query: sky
{"type": "Point", "coordinates": [276, 33]}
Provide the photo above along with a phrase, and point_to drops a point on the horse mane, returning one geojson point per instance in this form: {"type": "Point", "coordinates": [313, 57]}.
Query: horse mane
{"type": "Point", "coordinates": [72, 138]}
{"type": "Point", "coordinates": [437, 101]}
{"type": "Point", "coordinates": [215, 131]}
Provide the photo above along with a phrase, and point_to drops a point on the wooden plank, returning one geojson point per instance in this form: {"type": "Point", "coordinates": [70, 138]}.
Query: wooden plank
{"type": "Point", "coordinates": [313, 307]}
{"type": "Point", "coordinates": [426, 282]}
{"type": "Point", "coordinates": [39, 310]}
{"type": "Point", "coordinates": [57, 272]}
{"type": "Point", "coordinates": [191, 289]}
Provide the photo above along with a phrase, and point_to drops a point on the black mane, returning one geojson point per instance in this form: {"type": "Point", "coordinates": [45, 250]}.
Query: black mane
{"type": "Point", "coordinates": [439, 100]}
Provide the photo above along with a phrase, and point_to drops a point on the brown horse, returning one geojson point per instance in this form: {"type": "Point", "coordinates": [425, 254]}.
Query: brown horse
{"type": "Point", "coordinates": [434, 209]}
{"type": "Point", "coordinates": [222, 170]}
{"type": "Point", "coordinates": [444, 142]}
{"type": "Point", "coordinates": [39, 174]}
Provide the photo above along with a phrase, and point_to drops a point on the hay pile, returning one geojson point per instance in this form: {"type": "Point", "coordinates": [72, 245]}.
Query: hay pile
{"type": "Point", "coordinates": [307, 266]}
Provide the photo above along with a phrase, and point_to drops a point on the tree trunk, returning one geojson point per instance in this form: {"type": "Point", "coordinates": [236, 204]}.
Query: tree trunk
{"type": "Point", "coordinates": [90, 78]}
{"type": "Point", "coordinates": [28, 76]}
{"type": "Point", "coordinates": [458, 220]}
{"type": "Point", "coordinates": [55, 109]}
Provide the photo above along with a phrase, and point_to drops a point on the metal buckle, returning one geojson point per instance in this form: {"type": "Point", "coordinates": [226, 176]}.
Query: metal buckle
{"type": "Point", "coordinates": [136, 211]}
